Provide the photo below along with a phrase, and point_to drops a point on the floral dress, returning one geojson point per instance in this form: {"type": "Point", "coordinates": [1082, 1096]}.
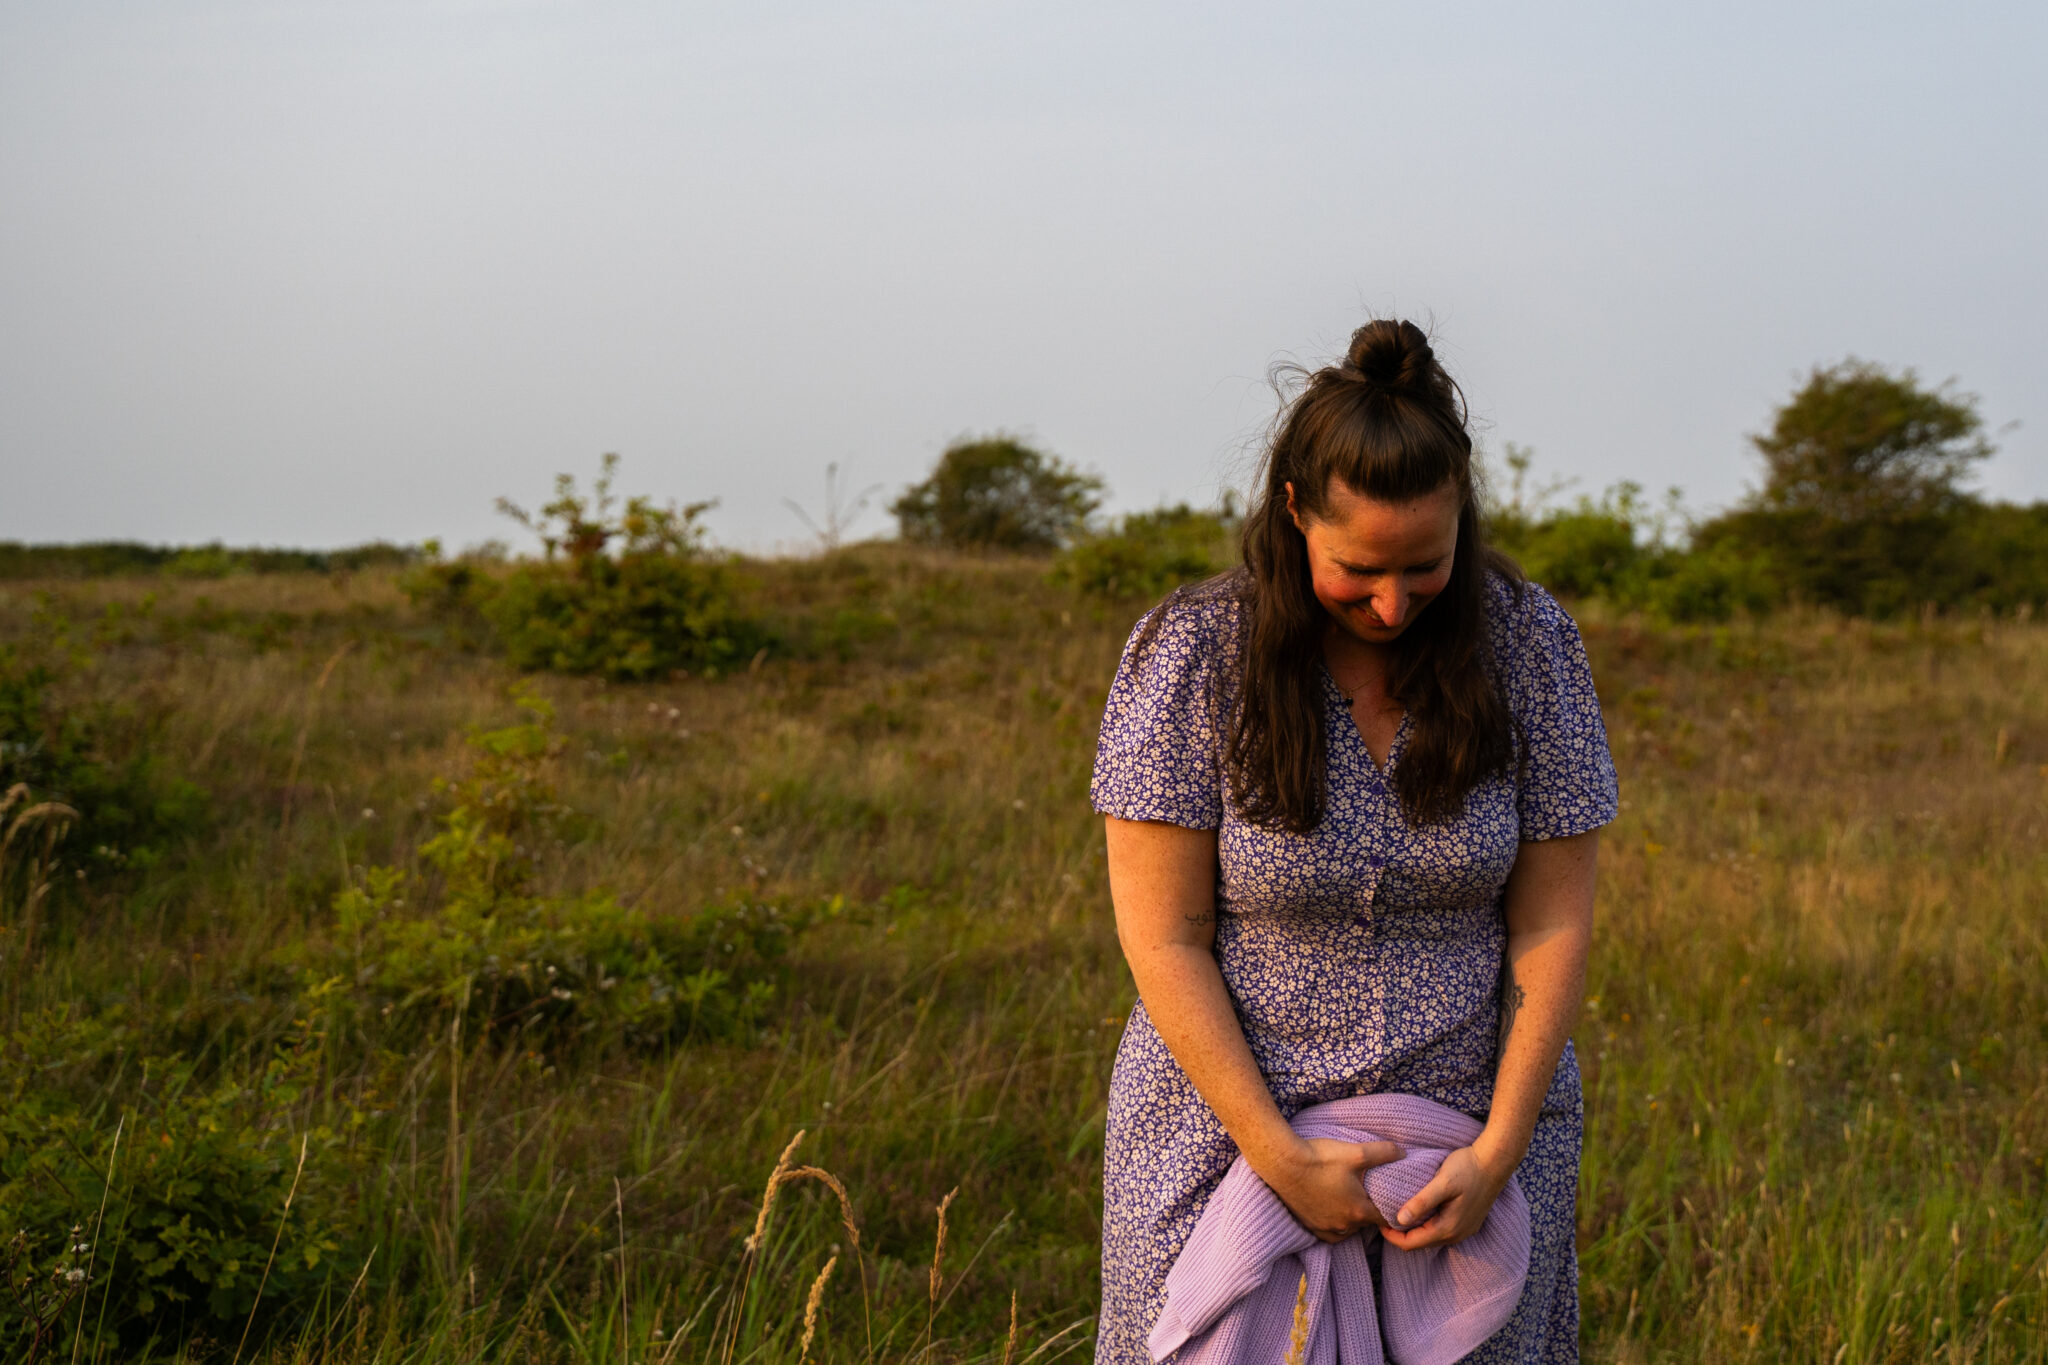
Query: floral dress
{"type": "Point", "coordinates": [1362, 957]}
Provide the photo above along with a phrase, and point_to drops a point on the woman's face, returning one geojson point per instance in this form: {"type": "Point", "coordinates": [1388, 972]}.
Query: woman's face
{"type": "Point", "coordinates": [1376, 564]}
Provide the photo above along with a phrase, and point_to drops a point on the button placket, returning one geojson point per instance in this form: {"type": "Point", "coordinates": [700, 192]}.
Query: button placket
{"type": "Point", "coordinates": [1375, 866]}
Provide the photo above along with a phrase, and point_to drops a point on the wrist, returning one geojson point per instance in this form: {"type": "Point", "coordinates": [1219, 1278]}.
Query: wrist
{"type": "Point", "coordinates": [1498, 1153]}
{"type": "Point", "coordinates": [1275, 1156]}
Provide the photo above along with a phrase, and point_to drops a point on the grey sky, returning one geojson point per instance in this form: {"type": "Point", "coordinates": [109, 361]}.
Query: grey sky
{"type": "Point", "coordinates": [313, 274]}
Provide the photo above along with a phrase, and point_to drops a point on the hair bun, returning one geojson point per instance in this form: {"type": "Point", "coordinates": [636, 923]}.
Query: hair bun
{"type": "Point", "coordinates": [1392, 356]}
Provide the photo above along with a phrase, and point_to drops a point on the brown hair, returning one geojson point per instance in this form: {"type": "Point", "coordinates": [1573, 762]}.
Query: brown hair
{"type": "Point", "coordinates": [1391, 424]}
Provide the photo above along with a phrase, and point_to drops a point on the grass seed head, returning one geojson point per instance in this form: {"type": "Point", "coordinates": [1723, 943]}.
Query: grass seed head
{"type": "Point", "coordinates": [768, 1195]}
{"type": "Point", "coordinates": [817, 1297]}
{"type": "Point", "coordinates": [832, 1183]}
{"type": "Point", "coordinates": [1297, 1340]}
{"type": "Point", "coordinates": [939, 1247]}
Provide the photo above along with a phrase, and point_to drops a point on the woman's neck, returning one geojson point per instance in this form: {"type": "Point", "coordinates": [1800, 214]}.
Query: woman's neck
{"type": "Point", "coordinates": [1352, 657]}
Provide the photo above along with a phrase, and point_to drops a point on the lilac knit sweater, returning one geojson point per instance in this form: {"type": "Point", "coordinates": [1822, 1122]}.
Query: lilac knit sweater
{"type": "Point", "coordinates": [1230, 1296]}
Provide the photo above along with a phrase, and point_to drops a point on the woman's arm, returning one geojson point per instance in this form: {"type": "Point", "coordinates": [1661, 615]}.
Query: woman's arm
{"type": "Point", "coordinates": [1549, 905]}
{"type": "Point", "coordinates": [1162, 879]}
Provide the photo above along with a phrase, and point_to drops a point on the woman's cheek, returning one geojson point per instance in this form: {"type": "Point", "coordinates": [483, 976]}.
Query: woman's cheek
{"type": "Point", "coordinates": [1423, 591]}
{"type": "Point", "coordinates": [1336, 590]}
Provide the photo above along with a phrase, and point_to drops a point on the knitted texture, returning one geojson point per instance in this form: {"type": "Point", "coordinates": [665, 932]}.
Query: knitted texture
{"type": "Point", "coordinates": [1230, 1297]}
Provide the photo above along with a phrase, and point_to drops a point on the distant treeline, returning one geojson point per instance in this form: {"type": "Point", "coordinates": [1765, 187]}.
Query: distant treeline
{"type": "Point", "coordinates": [111, 558]}
{"type": "Point", "coordinates": [1972, 556]}
{"type": "Point", "coordinates": [1862, 508]}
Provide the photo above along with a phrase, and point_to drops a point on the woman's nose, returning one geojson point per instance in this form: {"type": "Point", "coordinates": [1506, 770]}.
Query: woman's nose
{"type": "Point", "coordinates": [1390, 603]}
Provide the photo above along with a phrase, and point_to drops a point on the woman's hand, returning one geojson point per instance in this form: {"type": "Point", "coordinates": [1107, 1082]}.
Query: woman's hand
{"type": "Point", "coordinates": [1322, 1183]}
{"type": "Point", "coordinates": [1453, 1204]}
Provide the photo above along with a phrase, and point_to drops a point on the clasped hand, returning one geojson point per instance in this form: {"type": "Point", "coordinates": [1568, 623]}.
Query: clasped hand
{"type": "Point", "coordinates": [1322, 1182]}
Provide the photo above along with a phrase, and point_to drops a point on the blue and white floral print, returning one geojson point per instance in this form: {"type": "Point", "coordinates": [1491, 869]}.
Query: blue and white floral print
{"type": "Point", "coordinates": [1362, 957]}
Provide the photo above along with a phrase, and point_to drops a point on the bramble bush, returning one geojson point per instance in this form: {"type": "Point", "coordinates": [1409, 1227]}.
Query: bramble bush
{"type": "Point", "coordinates": [411, 954]}
{"type": "Point", "coordinates": [163, 1215]}
{"type": "Point", "coordinates": [1148, 554]}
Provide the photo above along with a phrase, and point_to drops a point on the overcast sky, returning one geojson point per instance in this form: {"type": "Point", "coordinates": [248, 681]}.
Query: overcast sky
{"type": "Point", "coordinates": [295, 273]}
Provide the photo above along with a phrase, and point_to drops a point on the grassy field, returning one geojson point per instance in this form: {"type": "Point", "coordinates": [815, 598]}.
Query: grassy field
{"type": "Point", "coordinates": [1816, 1039]}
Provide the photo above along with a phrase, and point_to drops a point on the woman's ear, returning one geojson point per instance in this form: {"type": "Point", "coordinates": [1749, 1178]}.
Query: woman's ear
{"type": "Point", "coordinates": [1293, 513]}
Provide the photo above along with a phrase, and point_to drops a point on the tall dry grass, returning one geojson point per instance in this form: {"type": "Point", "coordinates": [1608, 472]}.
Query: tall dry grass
{"type": "Point", "coordinates": [1816, 1040]}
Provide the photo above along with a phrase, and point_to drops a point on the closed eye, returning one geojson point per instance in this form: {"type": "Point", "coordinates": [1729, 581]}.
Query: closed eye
{"type": "Point", "coordinates": [1367, 571]}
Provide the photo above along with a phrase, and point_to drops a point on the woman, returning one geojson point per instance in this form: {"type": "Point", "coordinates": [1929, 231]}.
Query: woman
{"type": "Point", "coordinates": [1352, 794]}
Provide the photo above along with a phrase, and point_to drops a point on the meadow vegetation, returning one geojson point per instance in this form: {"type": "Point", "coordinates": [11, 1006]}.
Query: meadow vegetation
{"type": "Point", "coordinates": [383, 1002]}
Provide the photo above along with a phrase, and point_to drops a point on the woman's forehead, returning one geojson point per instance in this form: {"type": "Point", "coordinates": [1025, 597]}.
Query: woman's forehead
{"type": "Point", "coordinates": [1362, 530]}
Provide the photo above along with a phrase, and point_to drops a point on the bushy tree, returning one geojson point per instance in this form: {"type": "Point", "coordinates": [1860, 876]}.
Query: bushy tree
{"type": "Point", "coordinates": [1858, 444]}
{"type": "Point", "coordinates": [1862, 507]}
{"type": "Point", "coordinates": [996, 492]}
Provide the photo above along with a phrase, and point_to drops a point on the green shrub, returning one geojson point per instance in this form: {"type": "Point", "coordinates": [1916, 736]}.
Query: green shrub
{"type": "Point", "coordinates": [635, 594]}
{"type": "Point", "coordinates": [1150, 553]}
{"type": "Point", "coordinates": [1620, 549]}
{"type": "Point", "coordinates": [635, 617]}
{"type": "Point", "coordinates": [554, 971]}
{"type": "Point", "coordinates": [408, 955]}
{"type": "Point", "coordinates": [179, 1237]}
{"type": "Point", "coordinates": [1586, 550]}
{"type": "Point", "coordinates": [1996, 556]}
{"type": "Point", "coordinates": [100, 759]}
{"type": "Point", "coordinates": [1969, 554]}
{"type": "Point", "coordinates": [997, 493]}
{"type": "Point", "coordinates": [1703, 583]}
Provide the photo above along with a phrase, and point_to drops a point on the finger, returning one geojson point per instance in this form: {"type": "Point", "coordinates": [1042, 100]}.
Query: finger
{"type": "Point", "coordinates": [1425, 1201]}
{"type": "Point", "coordinates": [1379, 1153]}
{"type": "Point", "coordinates": [1414, 1239]}
{"type": "Point", "coordinates": [1441, 1228]}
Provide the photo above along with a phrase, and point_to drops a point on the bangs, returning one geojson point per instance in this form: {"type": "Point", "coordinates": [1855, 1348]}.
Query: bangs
{"type": "Point", "coordinates": [1382, 449]}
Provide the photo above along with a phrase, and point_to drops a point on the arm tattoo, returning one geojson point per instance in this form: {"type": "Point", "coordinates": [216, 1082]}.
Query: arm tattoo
{"type": "Point", "coordinates": [1511, 998]}
{"type": "Point", "coordinates": [1201, 917]}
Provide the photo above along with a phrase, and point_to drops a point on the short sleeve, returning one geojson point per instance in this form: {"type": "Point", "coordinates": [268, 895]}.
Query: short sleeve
{"type": "Point", "coordinates": [1159, 756]}
{"type": "Point", "coordinates": [1566, 783]}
